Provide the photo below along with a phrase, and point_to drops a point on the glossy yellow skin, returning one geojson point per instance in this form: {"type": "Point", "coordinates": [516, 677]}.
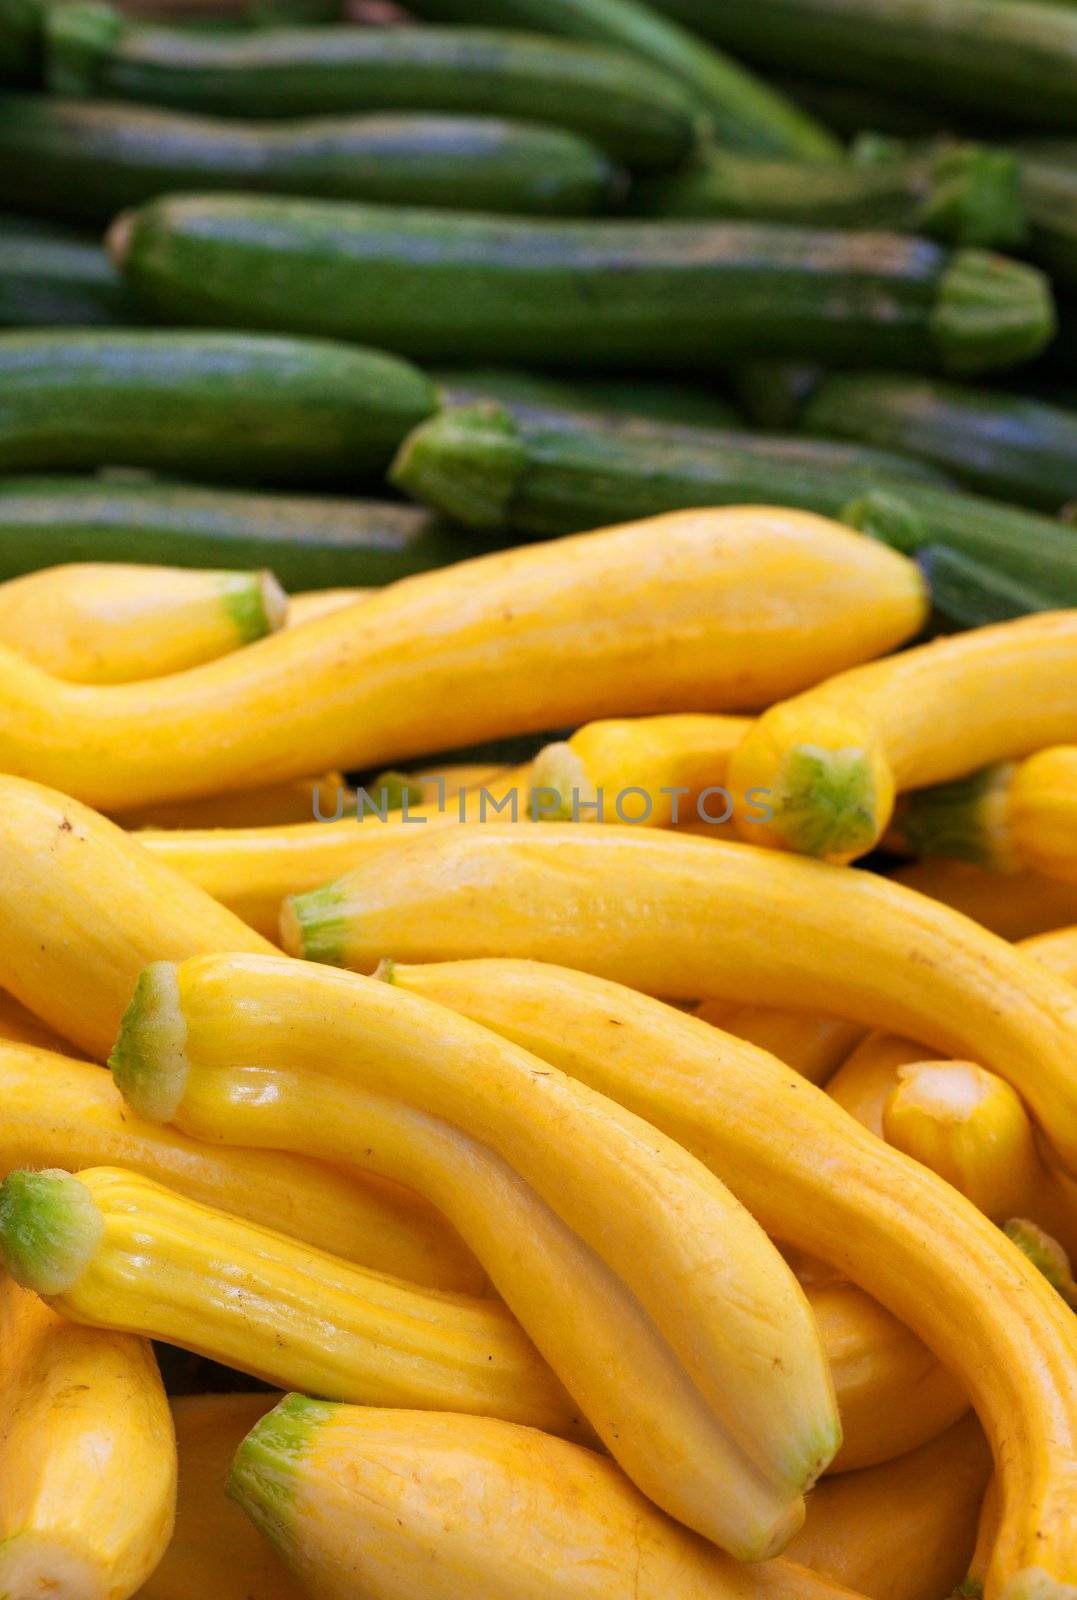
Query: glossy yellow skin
{"type": "Point", "coordinates": [87, 1456]}
{"type": "Point", "coordinates": [698, 610]}
{"type": "Point", "coordinates": [423, 1507]}
{"type": "Point", "coordinates": [688, 918]}
{"type": "Point", "coordinates": [273, 806]}
{"type": "Point", "coordinates": [63, 1113]}
{"type": "Point", "coordinates": [215, 1551]}
{"type": "Point", "coordinates": [970, 1128]}
{"type": "Point", "coordinates": [903, 1531]}
{"type": "Point", "coordinates": [252, 869]}
{"type": "Point", "coordinates": [818, 1181]}
{"type": "Point", "coordinates": [812, 1043]}
{"type": "Point", "coordinates": [170, 1268]}
{"type": "Point", "coordinates": [602, 760]}
{"type": "Point", "coordinates": [320, 602]}
{"type": "Point", "coordinates": [1014, 907]}
{"type": "Point", "coordinates": [675, 1324]}
{"type": "Point", "coordinates": [83, 908]}
{"type": "Point", "coordinates": [835, 757]}
{"type": "Point", "coordinates": [98, 622]}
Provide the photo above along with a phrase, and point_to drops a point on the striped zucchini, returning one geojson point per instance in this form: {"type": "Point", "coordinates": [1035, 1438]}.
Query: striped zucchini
{"type": "Point", "coordinates": [461, 287]}
{"type": "Point", "coordinates": [608, 97]}
{"type": "Point", "coordinates": [86, 160]}
{"type": "Point", "coordinates": [1020, 449]}
{"type": "Point", "coordinates": [538, 472]}
{"type": "Point", "coordinates": [307, 543]}
{"type": "Point", "coordinates": [217, 405]}
{"type": "Point", "coordinates": [742, 110]}
{"type": "Point", "coordinates": [1035, 550]}
{"type": "Point", "coordinates": [1012, 59]}
{"type": "Point", "coordinates": [965, 194]}
{"type": "Point", "coordinates": [629, 397]}
{"type": "Point", "coordinates": [53, 277]}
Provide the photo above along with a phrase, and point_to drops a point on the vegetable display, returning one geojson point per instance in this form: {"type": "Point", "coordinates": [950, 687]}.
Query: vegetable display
{"type": "Point", "coordinates": [538, 800]}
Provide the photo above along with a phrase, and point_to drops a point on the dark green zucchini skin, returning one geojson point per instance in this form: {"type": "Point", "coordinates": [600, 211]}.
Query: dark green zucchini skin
{"type": "Point", "coordinates": [220, 406]}
{"type": "Point", "coordinates": [85, 160]}
{"type": "Point", "coordinates": [961, 193]}
{"type": "Point", "coordinates": [52, 277]}
{"type": "Point", "coordinates": [308, 542]}
{"type": "Point", "coordinates": [1020, 449]}
{"type": "Point", "coordinates": [742, 110]}
{"type": "Point", "coordinates": [537, 472]}
{"type": "Point", "coordinates": [448, 287]}
{"type": "Point", "coordinates": [1012, 59]}
{"type": "Point", "coordinates": [607, 97]}
{"type": "Point", "coordinates": [631, 397]}
{"type": "Point", "coordinates": [1035, 550]}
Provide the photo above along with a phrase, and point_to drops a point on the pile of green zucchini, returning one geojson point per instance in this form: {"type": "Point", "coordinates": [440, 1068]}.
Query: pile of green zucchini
{"type": "Point", "coordinates": [354, 300]}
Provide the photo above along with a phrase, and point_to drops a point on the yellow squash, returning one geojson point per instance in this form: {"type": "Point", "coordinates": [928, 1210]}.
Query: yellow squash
{"type": "Point", "coordinates": [87, 1457]}
{"type": "Point", "coordinates": [251, 870]}
{"type": "Point", "coordinates": [98, 622]}
{"type": "Point", "coordinates": [903, 1531]}
{"type": "Point", "coordinates": [63, 1113]}
{"type": "Point", "coordinates": [1014, 817]}
{"type": "Point", "coordinates": [833, 759]}
{"type": "Point", "coordinates": [689, 918]}
{"type": "Point", "coordinates": [113, 1250]}
{"type": "Point", "coordinates": [820, 1182]}
{"type": "Point", "coordinates": [398, 1506]}
{"type": "Point", "coordinates": [216, 1553]}
{"type": "Point", "coordinates": [83, 908]}
{"type": "Point", "coordinates": [698, 610]}
{"type": "Point", "coordinates": [650, 771]}
{"type": "Point", "coordinates": [669, 1316]}
{"type": "Point", "coordinates": [1014, 907]}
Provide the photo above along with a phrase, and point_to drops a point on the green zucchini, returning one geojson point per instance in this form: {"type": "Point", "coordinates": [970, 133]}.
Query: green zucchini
{"type": "Point", "coordinates": [609, 98]}
{"type": "Point", "coordinates": [221, 406]}
{"type": "Point", "coordinates": [450, 287]}
{"type": "Point", "coordinates": [742, 111]}
{"type": "Point", "coordinates": [1003, 444]}
{"type": "Point", "coordinates": [961, 193]}
{"type": "Point", "coordinates": [638, 398]}
{"type": "Point", "coordinates": [53, 277]}
{"type": "Point", "coordinates": [1014, 60]}
{"type": "Point", "coordinates": [538, 472]}
{"type": "Point", "coordinates": [1033, 549]}
{"type": "Point", "coordinates": [308, 542]}
{"type": "Point", "coordinates": [83, 160]}
{"type": "Point", "coordinates": [966, 594]}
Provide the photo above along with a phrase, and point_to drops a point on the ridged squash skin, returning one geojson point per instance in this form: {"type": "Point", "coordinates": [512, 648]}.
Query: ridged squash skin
{"type": "Point", "coordinates": [818, 1181]}
{"type": "Point", "coordinates": [835, 757]}
{"type": "Point", "coordinates": [690, 918]}
{"type": "Point", "coordinates": [136, 1257]}
{"type": "Point", "coordinates": [64, 1113]}
{"type": "Point", "coordinates": [678, 1329]}
{"type": "Point", "coordinates": [702, 610]}
{"type": "Point", "coordinates": [109, 623]}
{"type": "Point", "coordinates": [215, 1550]}
{"type": "Point", "coordinates": [83, 908]}
{"type": "Point", "coordinates": [425, 1507]}
{"type": "Point", "coordinates": [87, 1456]}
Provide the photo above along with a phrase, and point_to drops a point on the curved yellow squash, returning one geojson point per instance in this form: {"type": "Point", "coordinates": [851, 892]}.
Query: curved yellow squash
{"type": "Point", "coordinates": [819, 1181]}
{"type": "Point", "coordinates": [395, 1506]}
{"type": "Point", "coordinates": [697, 610]}
{"type": "Point", "coordinates": [834, 758]}
{"type": "Point", "coordinates": [690, 919]}
{"type": "Point", "coordinates": [665, 1310]}
{"type": "Point", "coordinates": [104, 622]}
{"type": "Point", "coordinates": [87, 1456]}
